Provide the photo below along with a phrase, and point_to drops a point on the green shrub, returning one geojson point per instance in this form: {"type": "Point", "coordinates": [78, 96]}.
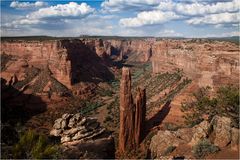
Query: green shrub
{"type": "Point", "coordinates": [108, 118]}
{"type": "Point", "coordinates": [171, 126]}
{"type": "Point", "coordinates": [169, 150]}
{"type": "Point", "coordinates": [224, 103]}
{"type": "Point", "coordinates": [89, 106]}
{"type": "Point", "coordinates": [34, 146]}
{"type": "Point", "coordinates": [203, 148]}
{"type": "Point", "coordinates": [228, 103]}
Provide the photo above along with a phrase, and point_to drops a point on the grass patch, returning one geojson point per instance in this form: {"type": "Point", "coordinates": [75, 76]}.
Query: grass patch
{"type": "Point", "coordinates": [169, 150]}
{"type": "Point", "coordinates": [203, 148]}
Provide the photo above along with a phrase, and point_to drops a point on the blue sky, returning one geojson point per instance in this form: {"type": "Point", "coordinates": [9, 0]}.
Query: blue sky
{"type": "Point", "coordinates": [159, 18]}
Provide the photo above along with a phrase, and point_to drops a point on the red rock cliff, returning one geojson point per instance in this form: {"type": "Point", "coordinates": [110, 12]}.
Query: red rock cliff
{"type": "Point", "coordinates": [70, 61]}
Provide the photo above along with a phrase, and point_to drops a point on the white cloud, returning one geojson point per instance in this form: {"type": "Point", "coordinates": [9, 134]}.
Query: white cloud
{"type": "Point", "coordinates": [199, 8]}
{"type": "Point", "coordinates": [149, 18]}
{"type": "Point", "coordinates": [215, 19]}
{"type": "Point", "coordinates": [56, 13]}
{"type": "Point", "coordinates": [69, 10]}
{"type": "Point", "coordinates": [26, 5]}
{"type": "Point", "coordinates": [121, 5]}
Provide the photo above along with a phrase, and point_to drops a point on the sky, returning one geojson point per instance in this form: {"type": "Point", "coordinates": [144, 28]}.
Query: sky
{"type": "Point", "coordinates": [158, 18]}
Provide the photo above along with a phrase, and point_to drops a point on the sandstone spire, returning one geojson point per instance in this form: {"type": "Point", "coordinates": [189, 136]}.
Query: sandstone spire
{"type": "Point", "coordinates": [132, 116]}
{"type": "Point", "coordinates": [126, 132]}
{"type": "Point", "coordinates": [140, 114]}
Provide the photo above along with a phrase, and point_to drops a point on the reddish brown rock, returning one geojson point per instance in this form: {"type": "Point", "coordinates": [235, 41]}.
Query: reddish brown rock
{"type": "Point", "coordinates": [140, 114]}
{"type": "Point", "coordinates": [132, 116]}
{"type": "Point", "coordinates": [126, 132]}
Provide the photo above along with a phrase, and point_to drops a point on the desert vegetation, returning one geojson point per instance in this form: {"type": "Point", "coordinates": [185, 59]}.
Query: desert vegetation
{"type": "Point", "coordinates": [224, 103]}
{"type": "Point", "coordinates": [33, 146]}
{"type": "Point", "coordinates": [203, 148]}
{"type": "Point", "coordinates": [4, 60]}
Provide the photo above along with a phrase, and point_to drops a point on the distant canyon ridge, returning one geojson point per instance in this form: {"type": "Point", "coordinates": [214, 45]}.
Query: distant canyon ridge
{"type": "Point", "coordinates": [207, 63]}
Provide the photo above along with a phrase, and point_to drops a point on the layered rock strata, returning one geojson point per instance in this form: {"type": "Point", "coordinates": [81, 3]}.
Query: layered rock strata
{"type": "Point", "coordinates": [69, 61]}
{"type": "Point", "coordinates": [132, 115]}
{"type": "Point", "coordinates": [76, 128]}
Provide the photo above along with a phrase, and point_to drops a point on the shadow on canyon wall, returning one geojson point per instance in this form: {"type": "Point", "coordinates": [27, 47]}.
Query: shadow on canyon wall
{"type": "Point", "coordinates": [86, 65]}
{"type": "Point", "coordinates": [17, 107]}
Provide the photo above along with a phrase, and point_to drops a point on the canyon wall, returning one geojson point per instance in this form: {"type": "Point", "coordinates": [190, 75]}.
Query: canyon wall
{"type": "Point", "coordinates": [208, 64]}
{"type": "Point", "coordinates": [70, 61]}
{"type": "Point", "coordinates": [133, 50]}
{"type": "Point", "coordinates": [211, 63]}
{"type": "Point", "coordinates": [40, 54]}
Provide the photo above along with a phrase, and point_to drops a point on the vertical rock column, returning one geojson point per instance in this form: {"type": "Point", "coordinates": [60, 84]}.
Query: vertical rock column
{"type": "Point", "coordinates": [140, 103]}
{"type": "Point", "coordinates": [127, 111]}
{"type": "Point", "coordinates": [132, 115]}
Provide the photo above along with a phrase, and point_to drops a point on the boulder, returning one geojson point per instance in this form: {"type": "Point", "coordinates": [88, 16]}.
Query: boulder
{"type": "Point", "coordinates": [185, 134]}
{"type": "Point", "coordinates": [82, 121]}
{"type": "Point", "coordinates": [102, 148]}
{"type": "Point", "coordinates": [65, 139]}
{"type": "Point", "coordinates": [163, 140]}
{"type": "Point", "coordinates": [55, 132]}
{"type": "Point", "coordinates": [235, 139]}
{"type": "Point", "coordinates": [64, 124]}
{"type": "Point", "coordinates": [74, 127]}
{"type": "Point", "coordinates": [57, 123]}
{"type": "Point", "coordinates": [74, 119]}
{"type": "Point", "coordinates": [222, 130]}
{"type": "Point", "coordinates": [200, 131]}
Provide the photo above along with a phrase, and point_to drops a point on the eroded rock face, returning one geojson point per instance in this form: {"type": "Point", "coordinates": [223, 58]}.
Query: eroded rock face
{"type": "Point", "coordinates": [140, 115]}
{"type": "Point", "coordinates": [83, 137]}
{"type": "Point", "coordinates": [70, 61]}
{"type": "Point", "coordinates": [127, 112]}
{"type": "Point", "coordinates": [102, 148]}
{"type": "Point", "coordinates": [200, 131]}
{"type": "Point", "coordinates": [163, 140]}
{"type": "Point", "coordinates": [132, 115]}
{"type": "Point", "coordinates": [206, 63]}
{"type": "Point", "coordinates": [76, 128]}
{"type": "Point", "coordinates": [222, 129]}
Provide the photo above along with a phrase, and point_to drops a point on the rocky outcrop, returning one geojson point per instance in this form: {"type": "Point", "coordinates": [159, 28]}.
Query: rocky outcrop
{"type": "Point", "coordinates": [101, 148]}
{"type": "Point", "coordinates": [132, 115]}
{"type": "Point", "coordinates": [235, 139]}
{"type": "Point", "coordinates": [76, 128]}
{"type": "Point", "coordinates": [164, 139]}
{"type": "Point", "coordinates": [219, 130]}
{"type": "Point", "coordinates": [200, 132]}
{"type": "Point", "coordinates": [83, 137]}
{"type": "Point", "coordinates": [222, 129]}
